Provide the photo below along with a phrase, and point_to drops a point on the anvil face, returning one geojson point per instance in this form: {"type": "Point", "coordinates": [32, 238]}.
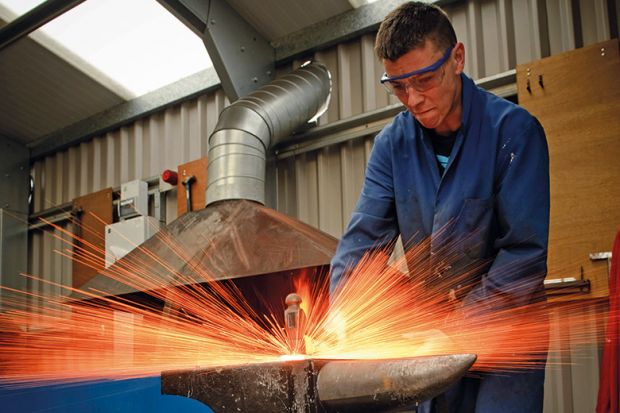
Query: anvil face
{"type": "Point", "coordinates": [319, 385]}
{"type": "Point", "coordinates": [267, 387]}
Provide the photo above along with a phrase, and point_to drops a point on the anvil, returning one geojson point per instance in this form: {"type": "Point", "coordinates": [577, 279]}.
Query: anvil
{"type": "Point", "coordinates": [319, 385]}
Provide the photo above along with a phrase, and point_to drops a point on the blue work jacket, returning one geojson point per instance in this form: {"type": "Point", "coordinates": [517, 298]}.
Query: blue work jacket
{"type": "Point", "coordinates": [493, 198]}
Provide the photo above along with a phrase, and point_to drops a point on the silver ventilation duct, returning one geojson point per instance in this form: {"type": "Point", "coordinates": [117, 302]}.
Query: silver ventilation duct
{"type": "Point", "coordinates": [247, 128]}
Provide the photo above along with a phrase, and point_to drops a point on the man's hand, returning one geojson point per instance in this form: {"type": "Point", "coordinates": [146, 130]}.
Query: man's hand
{"type": "Point", "coordinates": [333, 336]}
{"type": "Point", "coordinates": [336, 325]}
{"type": "Point", "coordinates": [430, 342]}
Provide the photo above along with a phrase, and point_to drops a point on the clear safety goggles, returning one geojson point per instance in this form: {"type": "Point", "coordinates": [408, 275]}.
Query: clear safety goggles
{"type": "Point", "coordinates": [421, 80]}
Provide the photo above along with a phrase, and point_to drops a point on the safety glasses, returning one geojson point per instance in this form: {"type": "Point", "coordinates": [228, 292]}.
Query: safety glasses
{"type": "Point", "coordinates": [421, 80]}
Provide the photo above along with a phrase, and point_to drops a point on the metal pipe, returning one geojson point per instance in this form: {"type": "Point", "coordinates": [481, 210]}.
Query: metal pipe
{"type": "Point", "coordinates": [247, 128]}
{"type": "Point", "coordinates": [35, 18]}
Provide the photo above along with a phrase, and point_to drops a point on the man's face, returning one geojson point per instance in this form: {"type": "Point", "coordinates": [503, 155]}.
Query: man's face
{"type": "Point", "coordinates": [433, 98]}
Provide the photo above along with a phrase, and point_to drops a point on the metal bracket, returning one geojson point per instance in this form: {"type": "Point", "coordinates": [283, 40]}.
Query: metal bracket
{"type": "Point", "coordinates": [598, 256]}
{"type": "Point", "coordinates": [568, 285]}
{"type": "Point", "coordinates": [242, 58]}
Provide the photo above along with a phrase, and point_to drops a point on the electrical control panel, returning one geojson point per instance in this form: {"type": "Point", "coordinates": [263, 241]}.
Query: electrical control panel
{"type": "Point", "coordinates": [134, 199]}
{"type": "Point", "coordinates": [122, 237]}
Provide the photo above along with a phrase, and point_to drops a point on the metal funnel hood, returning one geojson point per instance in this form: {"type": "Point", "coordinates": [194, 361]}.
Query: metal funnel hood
{"type": "Point", "coordinates": [229, 239]}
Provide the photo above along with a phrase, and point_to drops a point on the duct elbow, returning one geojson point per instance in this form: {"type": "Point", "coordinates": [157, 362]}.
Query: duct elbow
{"type": "Point", "coordinates": [247, 128]}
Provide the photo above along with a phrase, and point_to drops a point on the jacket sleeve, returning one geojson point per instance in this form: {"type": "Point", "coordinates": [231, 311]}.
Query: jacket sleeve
{"type": "Point", "coordinates": [516, 275]}
{"type": "Point", "coordinates": [373, 221]}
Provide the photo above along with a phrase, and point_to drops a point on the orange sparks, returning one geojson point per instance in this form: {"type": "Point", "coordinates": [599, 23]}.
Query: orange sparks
{"type": "Point", "coordinates": [378, 313]}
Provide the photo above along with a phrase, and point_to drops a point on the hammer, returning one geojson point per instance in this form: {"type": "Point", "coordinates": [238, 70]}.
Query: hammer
{"type": "Point", "coordinates": [294, 322]}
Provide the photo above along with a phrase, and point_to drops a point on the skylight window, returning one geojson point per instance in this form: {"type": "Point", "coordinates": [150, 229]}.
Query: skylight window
{"type": "Point", "coordinates": [137, 44]}
{"type": "Point", "coordinates": [359, 3]}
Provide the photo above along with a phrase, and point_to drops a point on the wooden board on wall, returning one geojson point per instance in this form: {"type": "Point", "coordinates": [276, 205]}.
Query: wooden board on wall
{"type": "Point", "coordinates": [198, 169]}
{"type": "Point", "coordinates": [578, 104]}
{"type": "Point", "coordinates": [96, 212]}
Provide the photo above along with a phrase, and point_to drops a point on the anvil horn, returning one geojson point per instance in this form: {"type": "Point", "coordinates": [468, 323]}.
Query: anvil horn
{"type": "Point", "coordinates": [382, 385]}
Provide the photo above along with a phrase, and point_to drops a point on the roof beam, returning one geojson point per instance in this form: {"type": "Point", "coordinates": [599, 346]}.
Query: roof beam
{"type": "Point", "coordinates": [192, 13]}
{"type": "Point", "coordinates": [243, 59]}
{"type": "Point", "coordinates": [35, 18]}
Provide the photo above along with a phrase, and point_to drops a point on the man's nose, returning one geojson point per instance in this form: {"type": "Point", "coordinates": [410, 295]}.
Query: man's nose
{"type": "Point", "coordinates": [414, 98]}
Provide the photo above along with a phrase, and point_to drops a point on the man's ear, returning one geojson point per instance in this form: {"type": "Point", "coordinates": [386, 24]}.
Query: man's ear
{"type": "Point", "coordinates": [459, 58]}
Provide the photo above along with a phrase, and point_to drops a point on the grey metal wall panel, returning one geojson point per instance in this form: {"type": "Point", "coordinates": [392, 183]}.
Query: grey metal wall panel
{"type": "Point", "coordinates": [322, 187]}
{"type": "Point", "coordinates": [563, 33]}
{"type": "Point", "coordinates": [572, 373]}
{"type": "Point", "coordinates": [472, 36]}
{"type": "Point", "coordinates": [531, 38]}
{"type": "Point", "coordinates": [496, 26]}
{"type": "Point", "coordinates": [330, 59]}
{"type": "Point", "coordinates": [350, 76]}
{"type": "Point", "coordinates": [374, 96]}
{"type": "Point", "coordinates": [585, 370]}
{"type": "Point", "coordinates": [558, 374]}
{"type": "Point", "coordinates": [13, 254]}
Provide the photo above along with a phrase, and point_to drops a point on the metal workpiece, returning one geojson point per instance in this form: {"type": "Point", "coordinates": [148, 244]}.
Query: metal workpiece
{"type": "Point", "coordinates": [384, 385]}
{"type": "Point", "coordinates": [250, 126]}
{"type": "Point", "coordinates": [319, 385]}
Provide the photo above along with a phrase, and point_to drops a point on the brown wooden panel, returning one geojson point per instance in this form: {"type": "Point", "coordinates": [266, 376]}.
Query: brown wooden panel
{"type": "Point", "coordinates": [578, 104]}
{"type": "Point", "coordinates": [91, 213]}
{"type": "Point", "coordinates": [198, 169]}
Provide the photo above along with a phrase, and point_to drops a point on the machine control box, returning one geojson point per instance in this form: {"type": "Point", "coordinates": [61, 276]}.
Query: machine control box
{"type": "Point", "coordinates": [122, 237]}
{"type": "Point", "coordinates": [134, 199]}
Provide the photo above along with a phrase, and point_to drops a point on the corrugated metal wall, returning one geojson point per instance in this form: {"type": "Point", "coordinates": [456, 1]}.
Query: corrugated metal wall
{"type": "Point", "coordinates": [572, 374]}
{"type": "Point", "coordinates": [319, 187]}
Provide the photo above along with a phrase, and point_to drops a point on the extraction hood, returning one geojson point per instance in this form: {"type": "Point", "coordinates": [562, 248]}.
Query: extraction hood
{"type": "Point", "coordinates": [235, 235]}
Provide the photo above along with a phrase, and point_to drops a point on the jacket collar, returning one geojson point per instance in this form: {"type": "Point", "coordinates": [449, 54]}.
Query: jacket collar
{"type": "Point", "coordinates": [467, 95]}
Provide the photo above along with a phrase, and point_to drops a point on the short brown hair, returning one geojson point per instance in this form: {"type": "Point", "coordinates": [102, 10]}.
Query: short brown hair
{"type": "Point", "coordinates": [409, 26]}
